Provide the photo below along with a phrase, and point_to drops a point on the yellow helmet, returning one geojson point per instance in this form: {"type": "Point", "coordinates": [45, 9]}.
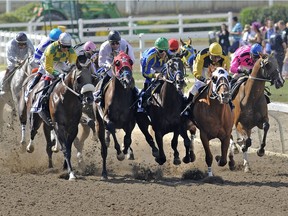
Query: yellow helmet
{"type": "Point", "coordinates": [215, 49]}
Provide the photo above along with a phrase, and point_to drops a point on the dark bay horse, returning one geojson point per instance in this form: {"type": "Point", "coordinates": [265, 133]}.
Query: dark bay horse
{"type": "Point", "coordinates": [118, 111]}
{"type": "Point", "coordinates": [164, 111]}
{"type": "Point", "coordinates": [213, 117]}
{"type": "Point", "coordinates": [65, 106]}
{"type": "Point", "coordinates": [250, 103]}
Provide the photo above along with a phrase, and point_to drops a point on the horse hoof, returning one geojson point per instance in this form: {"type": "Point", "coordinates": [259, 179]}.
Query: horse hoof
{"type": "Point", "coordinates": [72, 176]}
{"type": "Point", "coordinates": [130, 156]}
{"type": "Point", "coordinates": [220, 161]}
{"type": "Point", "coordinates": [104, 178]}
{"type": "Point", "coordinates": [176, 161]}
{"type": "Point", "coordinates": [192, 157]}
{"type": "Point", "coordinates": [55, 149]}
{"type": "Point", "coordinates": [30, 150]}
{"type": "Point", "coordinates": [260, 152]}
{"type": "Point", "coordinates": [160, 161]}
{"type": "Point", "coordinates": [247, 169]}
{"type": "Point", "coordinates": [155, 153]}
{"type": "Point", "coordinates": [186, 160]}
{"type": "Point", "coordinates": [23, 143]}
{"type": "Point", "coordinates": [121, 156]}
{"type": "Point", "coordinates": [232, 165]}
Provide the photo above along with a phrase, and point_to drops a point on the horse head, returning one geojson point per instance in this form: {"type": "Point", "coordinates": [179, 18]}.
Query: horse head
{"type": "Point", "coordinates": [270, 70]}
{"type": "Point", "coordinates": [188, 53]}
{"type": "Point", "coordinates": [175, 72]}
{"type": "Point", "coordinates": [83, 79]}
{"type": "Point", "coordinates": [221, 85]}
{"type": "Point", "coordinates": [122, 68]}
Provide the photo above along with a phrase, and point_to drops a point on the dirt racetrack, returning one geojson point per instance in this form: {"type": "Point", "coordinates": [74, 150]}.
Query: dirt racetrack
{"type": "Point", "coordinates": [29, 188]}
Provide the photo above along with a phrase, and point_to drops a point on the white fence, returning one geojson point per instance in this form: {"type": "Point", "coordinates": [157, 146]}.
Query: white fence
{"type": "Point", "coordinates": [97, 29]}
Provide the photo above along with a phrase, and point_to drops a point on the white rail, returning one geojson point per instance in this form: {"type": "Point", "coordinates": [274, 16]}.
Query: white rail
{"type": "Point", "coordinates": [97, 29]}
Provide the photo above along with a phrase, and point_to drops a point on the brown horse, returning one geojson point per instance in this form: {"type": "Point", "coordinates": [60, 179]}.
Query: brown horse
{"type": "Point", "coordinates": [65, 106]}
{"type": "Point", "coordinates": [251, 105]}
{"type": "Point", "coordinates": [213, 117]}
{"type": "Point", "coordinates": [118, 109]}
{"type": "Point", "coordinates": [163, 114]}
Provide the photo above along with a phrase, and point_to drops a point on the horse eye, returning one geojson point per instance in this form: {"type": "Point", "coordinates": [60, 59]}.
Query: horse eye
{"type": "Point", "coordinates": [117, 63]}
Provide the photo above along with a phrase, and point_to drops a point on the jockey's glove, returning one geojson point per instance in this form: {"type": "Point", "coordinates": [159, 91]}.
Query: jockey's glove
{"type": "Point", "coordinates": [55, 73]}
{"type": "Point", "coordinates": [157, 75]}
{"type": "Point", "coordinates": [202, 79]}
{"type": "Point", "coordinates": [61, 75]}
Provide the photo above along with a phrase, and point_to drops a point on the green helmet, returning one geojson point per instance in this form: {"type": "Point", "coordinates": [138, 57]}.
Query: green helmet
{"type": "Point", "coordinates": [161, 44]}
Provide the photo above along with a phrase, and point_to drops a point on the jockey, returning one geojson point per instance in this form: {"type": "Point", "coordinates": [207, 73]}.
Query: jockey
{"type": "Point", "coordinates": [153, 64]}
{"type": "Point", "coordinates": [58, 58]}
{"type": "Point", "coordinates": [108, 50]}
{"type": "Point", "coordinates": [208, 57]}
{"type": "Point", "coordinates": [244, 60]}
{"type": "Point", "coordinates": [18, 49]}
{"type": "Point", "coordinates": [53, 36]}
{"type": "Point", "coordinates": [90, 50]}
{"type": "Point", "coordinates": [173, 48]}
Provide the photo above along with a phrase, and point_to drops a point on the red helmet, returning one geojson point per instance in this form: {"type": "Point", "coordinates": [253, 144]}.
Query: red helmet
{"type": "Point", "coordinates": [173, 44]}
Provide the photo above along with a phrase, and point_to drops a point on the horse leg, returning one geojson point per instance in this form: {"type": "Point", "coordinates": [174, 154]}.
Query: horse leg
{"type": "Point", "coordinates": [208, 154]}
{"type": "Point", "coordinates": [127, 143]}
{"type": "Point", "coordinates": [233, 146]}
{"type": "Point", "coordinates": [66, 145]}
{"type": "Point", "coordinates": [47, 133]}
{"type": "Point", "coordinates": [110, 127]}
{"type": "Point", "coordinates": [261, 150]}
{"type": "Point", "coordinates": [22, 112]}
{"type": "Point", "coordinates": [35, 122]}
{"type": "Point", "coordinates": [174, 145]}
{"type": "Point", "coordinates": [161, 159]}
{"type": "Point", "coordinates": [222, 160]}
{"type": "Point", "coordinates": [55, 143]}
{"type": "Point", "coordinates": [79, 142]}
{"type": "Point", "coordinates": [189, 145]}
{"type": "Point", "coordinates": [143, 124]}
{"type": "Point", "coordinates": [2, 104]}
{"type": "Point", "coordinates": [101, 135]}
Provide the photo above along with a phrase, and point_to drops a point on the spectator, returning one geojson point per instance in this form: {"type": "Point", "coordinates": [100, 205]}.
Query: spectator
{"type": "Point", "coordinates": [285, 67]}
{"type": "Point", "coordinates": [246, 35]}
{"type": "Point", "coordinates": [257, 38]}
{"type": "Point", "coordinates": [278, 46]}
{"type": "Point", "coordinates": [236, 33]}
{"type": "Point", "coordinates": [269, 31]}
{"type": "Point", "coordinates": [224, 38]}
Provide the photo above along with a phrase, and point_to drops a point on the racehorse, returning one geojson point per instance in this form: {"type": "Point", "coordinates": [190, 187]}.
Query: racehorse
{"type": "Point", "coordinates": [117, 111]}
{"type": "Point", "coordinates": [65, 108]}
{"type": "Point", "coordinates": [188, 52]}
{"type": "Point", "coordinates": [251, 105]}
{"type": "Point", "coordinates": [213, 117]}
{"type": "Point", "coordinates": [164, 111]}
{"type": "Point", "coordinates": [16, 79]}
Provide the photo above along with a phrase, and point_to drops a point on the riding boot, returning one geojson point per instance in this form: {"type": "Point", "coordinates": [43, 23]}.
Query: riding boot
{"type": "Point", "coordinates": [32, 84]}
{"type": "Point", "coordinates": [188, 102]}
{"type": "Point", "coordinates": [41, 99]}
{"type": "Point", "coordinates": [5, 82]}
{"type": "Point", "coordinates": [99, 96]}
{"type": "Point", "coordinates": [143, 98]}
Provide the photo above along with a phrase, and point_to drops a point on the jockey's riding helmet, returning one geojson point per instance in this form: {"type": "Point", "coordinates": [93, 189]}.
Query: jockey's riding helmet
{"type": "Point", "coordinates": [21, 37]}
{"type": "Point", "coordinates": [54, 34]}
{"type": "Point", "coordinates": [65, 39]}
{"type": "Point", "coordinates": [173, 44]}
{"type": "Point", "coordinates": [161, 44]}
{"type": "Point", "coordinates": [114, 36]}
{"type": "Point", "coordinates": [89, 46]}
{"type": "Point", "coordinates": [215, 49]}
{"type": "Point", "coordinates": [256, 49]}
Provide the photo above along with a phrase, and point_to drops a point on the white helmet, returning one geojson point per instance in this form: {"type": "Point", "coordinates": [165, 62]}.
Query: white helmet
{"type": "Point", "coordinates": [65, 39]}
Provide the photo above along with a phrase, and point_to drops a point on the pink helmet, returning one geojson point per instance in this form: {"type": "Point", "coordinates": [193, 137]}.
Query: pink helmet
{"type": "Point", "coordinates": [89, 46]}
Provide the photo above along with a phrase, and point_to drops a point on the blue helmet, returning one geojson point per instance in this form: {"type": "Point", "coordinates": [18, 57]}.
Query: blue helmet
{"type": "Point", "coordinates": [256, 49]}
{"type": "Point", "coordinates": [54, 34]}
